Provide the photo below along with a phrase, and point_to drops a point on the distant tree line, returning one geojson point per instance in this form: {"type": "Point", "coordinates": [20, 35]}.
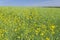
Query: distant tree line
{"type": "Point", "coordinates": [51, 6]}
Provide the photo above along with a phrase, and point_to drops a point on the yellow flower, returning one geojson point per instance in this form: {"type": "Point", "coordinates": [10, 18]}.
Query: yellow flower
{"type": "Point", "coordinates": [47, 38]}
{"type": "Point", "coordinates": [18, 37]}
{"type": "Point", "coordinates": [2, 35]}
{"type": "Point", "coordinates": [30, 17]}
{"type": "Point", "coordinates": [15, 30]}
{"type": "Point", "coordinates": [43, 26]}
{"type": "Point", "coordinates": [2, 30]}
{"type": "Point", "coordinates": [32, 35]}
{"type": "Point", "coordinates": [29, 38]}
{"type": "Point", "coordinates": [6, 38]}
{"type": "Point", "coordinates": [52, 27]}
{"type": "Point", "coordinates": [42, 34]}
{"type": "Point", "coordinates": [37, 31]}
{"type": "Point", "coordinates": [53, 32]}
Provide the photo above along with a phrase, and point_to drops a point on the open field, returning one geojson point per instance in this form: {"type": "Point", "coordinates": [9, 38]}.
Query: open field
{"type": "Point", "coordinates": [29, 23]}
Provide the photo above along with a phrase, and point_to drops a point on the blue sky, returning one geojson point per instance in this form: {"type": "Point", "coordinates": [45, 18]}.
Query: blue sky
{"type": "Point", "coordinates": [29, 2]}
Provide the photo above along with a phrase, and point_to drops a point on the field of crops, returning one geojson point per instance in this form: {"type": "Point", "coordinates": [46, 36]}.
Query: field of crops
{"type": "Point", "coordinates": [29, 23]}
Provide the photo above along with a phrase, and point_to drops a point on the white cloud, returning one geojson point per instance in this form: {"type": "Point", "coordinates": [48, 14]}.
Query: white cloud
{"type": "Point", "coordinates": [50, 3]}
{"type": "Point", "coordinates": [43, 3]}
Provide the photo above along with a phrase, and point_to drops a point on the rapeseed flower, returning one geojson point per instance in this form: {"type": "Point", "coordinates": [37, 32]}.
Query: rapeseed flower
{"type": "Point", "coordinates": [47, 38]}
{"type": "Point", "coordinates": [52, 27]}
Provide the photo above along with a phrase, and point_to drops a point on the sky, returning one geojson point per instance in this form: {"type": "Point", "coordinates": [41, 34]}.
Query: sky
{"type": "Point", "coordinates": [29, 2]}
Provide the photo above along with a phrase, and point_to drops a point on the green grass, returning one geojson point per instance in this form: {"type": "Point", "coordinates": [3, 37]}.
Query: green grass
{"type": "Point", "coordinates": [29, 23]}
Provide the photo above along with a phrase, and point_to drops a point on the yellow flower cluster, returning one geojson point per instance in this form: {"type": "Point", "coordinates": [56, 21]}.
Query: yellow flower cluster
{"type": "Point", "coordinates": [29, 24]}
{"type": "Point", "coordinates": [37, 31]}
{"type": "Point", "coordinates": [47, 38]}
{"type": "Point", "coordinates": [52, 29]}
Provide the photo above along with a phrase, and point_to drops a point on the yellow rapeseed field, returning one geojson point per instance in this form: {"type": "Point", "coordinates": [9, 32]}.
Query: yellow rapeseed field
{"type": "Point", "coordinates": [19, 23]}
